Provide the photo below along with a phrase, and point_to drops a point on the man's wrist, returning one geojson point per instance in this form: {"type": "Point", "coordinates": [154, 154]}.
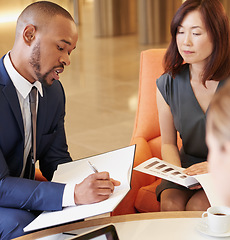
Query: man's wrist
{"type": "Point", "coordinates": [68, 195]}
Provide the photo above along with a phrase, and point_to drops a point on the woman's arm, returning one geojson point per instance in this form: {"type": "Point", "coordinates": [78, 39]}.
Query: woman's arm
{"type": "Point", "coordinates": [169, 149]}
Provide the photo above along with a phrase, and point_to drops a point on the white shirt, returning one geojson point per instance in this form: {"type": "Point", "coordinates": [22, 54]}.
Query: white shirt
{"type": "Point", "coordinates": [23, 88]}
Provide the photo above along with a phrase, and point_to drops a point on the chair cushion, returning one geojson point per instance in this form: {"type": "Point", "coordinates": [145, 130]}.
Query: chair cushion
{"type": "Point", "coordinates": [146, 200]}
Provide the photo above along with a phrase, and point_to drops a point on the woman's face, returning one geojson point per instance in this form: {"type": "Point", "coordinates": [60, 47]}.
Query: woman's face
{"type": "Point", "coordinates": [193, 41]}
{"type": "Point", "coordinates": [219, 164]}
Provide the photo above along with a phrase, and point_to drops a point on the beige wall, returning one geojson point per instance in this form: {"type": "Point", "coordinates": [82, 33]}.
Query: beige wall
{"type": "Point", "coordinates": [115, 17]}
{"type": "Point", "coordinates": [16, 6]}
{"type": "Point", "coordinates": [9, 12]}
{"type": "Point", "coordinates": [154, 18]}
{"type": "Point", "coordinates": [150, 19]}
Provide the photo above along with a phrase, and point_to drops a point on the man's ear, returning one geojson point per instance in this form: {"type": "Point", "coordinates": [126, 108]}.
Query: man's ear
{"type": "Point", "coordinates": [29, 34]}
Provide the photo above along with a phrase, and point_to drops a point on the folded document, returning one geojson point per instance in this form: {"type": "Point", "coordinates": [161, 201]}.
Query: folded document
{"type": "Point", "coordinates": [170, 172]}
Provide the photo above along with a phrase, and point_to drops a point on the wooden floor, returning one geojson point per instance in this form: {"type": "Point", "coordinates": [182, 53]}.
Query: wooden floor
{"type": "Point", "coordinates": [101, 86]}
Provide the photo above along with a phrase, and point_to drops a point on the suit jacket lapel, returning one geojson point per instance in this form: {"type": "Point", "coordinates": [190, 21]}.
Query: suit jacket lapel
{"type": "Point", "coordinates": [11, 95]}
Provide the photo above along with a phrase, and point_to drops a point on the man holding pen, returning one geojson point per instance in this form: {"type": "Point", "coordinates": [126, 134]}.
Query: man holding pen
{"type": "Point", "coordinates": [45, 37]}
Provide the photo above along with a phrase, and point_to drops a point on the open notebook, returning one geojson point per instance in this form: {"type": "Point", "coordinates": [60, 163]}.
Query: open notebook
{"type": "Point", "coordinates": [118, 163]}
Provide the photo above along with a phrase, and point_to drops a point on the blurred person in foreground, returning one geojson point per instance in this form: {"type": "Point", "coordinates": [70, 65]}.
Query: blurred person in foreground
{"type": "Point", "coordinates": [218, 142]}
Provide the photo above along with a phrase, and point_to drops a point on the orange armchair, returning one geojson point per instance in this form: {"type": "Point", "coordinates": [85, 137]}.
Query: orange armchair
{"type": "Point", "coordinates": [146, 136]}
{"type": "Point", "coordinates": [39, 176]}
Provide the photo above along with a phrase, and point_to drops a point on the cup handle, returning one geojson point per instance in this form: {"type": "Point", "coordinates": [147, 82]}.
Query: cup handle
{"type": "Point", "coordinates": [204, 214]}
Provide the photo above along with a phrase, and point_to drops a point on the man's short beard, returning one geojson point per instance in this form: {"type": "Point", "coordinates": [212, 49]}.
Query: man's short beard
{"type": "Point", "coordinates": [35, 63]}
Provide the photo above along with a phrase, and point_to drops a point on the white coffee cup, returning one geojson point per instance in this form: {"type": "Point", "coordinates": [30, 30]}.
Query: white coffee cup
{"type": "Point", "coordinates": [218, 219]}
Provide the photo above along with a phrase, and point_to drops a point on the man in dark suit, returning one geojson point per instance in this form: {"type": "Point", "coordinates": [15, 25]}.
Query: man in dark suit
{"type": "Point", "coordinates": [45, 37]}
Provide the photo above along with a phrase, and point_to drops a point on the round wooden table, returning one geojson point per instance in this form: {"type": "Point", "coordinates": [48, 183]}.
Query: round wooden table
{"type": "Point", "coordinates": [110, 220]}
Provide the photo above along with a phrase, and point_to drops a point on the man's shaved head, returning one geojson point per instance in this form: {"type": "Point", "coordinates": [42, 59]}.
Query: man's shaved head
{"type": "Point", "coordinates": [39, 14]}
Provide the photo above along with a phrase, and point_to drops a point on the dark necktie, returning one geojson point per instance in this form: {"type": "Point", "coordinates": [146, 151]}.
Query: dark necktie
{"type": "Point", "coordinates": [33, 100]}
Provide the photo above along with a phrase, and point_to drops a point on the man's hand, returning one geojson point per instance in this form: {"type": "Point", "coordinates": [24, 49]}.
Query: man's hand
{"type": "Point", "coordinates": [95, 188]}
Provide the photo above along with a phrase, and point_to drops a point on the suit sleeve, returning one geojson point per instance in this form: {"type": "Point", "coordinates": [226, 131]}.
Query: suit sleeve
{"type": "Point", "coordinates": [29, 194]}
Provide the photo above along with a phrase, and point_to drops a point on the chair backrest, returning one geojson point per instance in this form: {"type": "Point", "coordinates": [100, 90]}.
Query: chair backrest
{"type": "Point", "coordinates": [146, 121]}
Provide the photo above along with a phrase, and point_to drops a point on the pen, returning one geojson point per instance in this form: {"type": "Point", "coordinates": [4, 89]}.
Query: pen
{"type": "Point", "coordinates": [92, 167]}
{"type": "Point", "coordinates": [70, 234]}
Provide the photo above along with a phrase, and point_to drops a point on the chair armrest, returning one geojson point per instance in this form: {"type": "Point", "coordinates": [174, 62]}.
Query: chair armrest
{"type": "Point", "coordinates": [143, 151]}
{"type": "Point", "coordinates": [146, 200]}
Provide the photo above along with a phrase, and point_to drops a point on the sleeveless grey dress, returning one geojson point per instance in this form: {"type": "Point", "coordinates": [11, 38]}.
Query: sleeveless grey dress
{"type": "Point", "coordinates": [189, 120]}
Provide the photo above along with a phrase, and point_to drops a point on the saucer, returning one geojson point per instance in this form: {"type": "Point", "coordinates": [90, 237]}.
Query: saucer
{"type": "Point", "coordinates": [203, 228]}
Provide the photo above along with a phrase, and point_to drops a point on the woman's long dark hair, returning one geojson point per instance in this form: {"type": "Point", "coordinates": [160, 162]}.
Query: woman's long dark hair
{"type": "Point", "coordinates": [217, 25]}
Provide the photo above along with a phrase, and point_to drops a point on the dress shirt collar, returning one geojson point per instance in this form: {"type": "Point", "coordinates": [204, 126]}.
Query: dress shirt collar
{"type": "Point", "coordinates": [22, 85]}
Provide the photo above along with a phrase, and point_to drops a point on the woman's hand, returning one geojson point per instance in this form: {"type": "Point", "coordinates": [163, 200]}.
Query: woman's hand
{"type": "Point", "coordinates": [199, 168]}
